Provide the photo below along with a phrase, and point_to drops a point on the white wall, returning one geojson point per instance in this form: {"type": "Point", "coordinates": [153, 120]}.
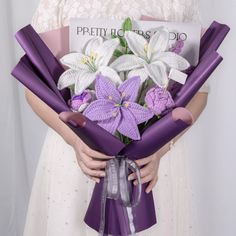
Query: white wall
{"type": "Point", "coordinates": [217, 186]}
{"type": "Point", "coordinates": [19, 142]}
{"type": "Point", "coordinates": [213, 158]}
{"type": "Point", "coordinates": [34, 133]}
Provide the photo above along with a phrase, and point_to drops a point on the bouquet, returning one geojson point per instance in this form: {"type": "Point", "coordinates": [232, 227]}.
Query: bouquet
{"type": "Point", "coordinates": [123, 96]}
{"type": "Point", "coordinates": [129, 91]}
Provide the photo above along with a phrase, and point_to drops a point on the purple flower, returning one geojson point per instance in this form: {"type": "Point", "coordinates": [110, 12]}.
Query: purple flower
{"type": "Point", "coordinates": [115, 108]}
{"type": "Point", "coordinates": [159, 100]}
{"type": "Point", "coordinates": [177, 47]}
{"type": "Point", "coordinates": [80, 102]}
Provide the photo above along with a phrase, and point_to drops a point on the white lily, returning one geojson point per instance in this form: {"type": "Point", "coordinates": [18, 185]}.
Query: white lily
{"type": "Point", "coordinates": [151, 59]}
{"type": "Point", "coordinates": [84, 67]}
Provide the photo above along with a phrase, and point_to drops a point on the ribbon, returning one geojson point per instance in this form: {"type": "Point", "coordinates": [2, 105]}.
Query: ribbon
{"type": "Point", "coordinates": [116, 186]}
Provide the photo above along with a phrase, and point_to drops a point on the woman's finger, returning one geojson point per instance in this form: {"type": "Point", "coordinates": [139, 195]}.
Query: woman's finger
{"type": "Point", "coordinates": [146, 170]}
{"type": "Point", "coordinates": [151, 185]}
{"type": "Point", "coordinates": [144, 180]}
{"type": "Point", "coordinates": [143, 161]}
{"type": "Point", "coordinates": [91, 163]}
{"type": "Point", "coordinates": [97, 180]}
{"type": "Point", "coordinates": [92, 173]}
{"type": "Point", "coordinates": [95, 154]}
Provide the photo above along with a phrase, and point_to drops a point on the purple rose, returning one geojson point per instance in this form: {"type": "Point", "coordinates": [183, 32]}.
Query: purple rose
{"type": "Point", "coordinates": [159, 100]}
{"type": "Point", "coordinates": [80, 102]}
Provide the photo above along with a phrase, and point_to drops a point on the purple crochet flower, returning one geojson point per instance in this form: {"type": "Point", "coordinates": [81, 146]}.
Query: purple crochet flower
{"type": "Point", "coordinates": [115, 108]}
{"type": "Point", "coordinates": [159, 100]}
{"type": "Point", "coordinates": [80, 102]}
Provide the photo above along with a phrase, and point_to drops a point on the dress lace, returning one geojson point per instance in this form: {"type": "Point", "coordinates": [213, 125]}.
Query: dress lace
{"type": "Point", "coordinates": [52, 14]}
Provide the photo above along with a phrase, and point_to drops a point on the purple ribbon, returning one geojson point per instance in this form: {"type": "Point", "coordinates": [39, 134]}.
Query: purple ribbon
{"type": "Point", "coordinates": [116, 186]}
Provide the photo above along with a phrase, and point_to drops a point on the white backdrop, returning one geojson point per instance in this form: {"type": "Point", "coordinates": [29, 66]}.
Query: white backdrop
{"type": "Point", "coordinates": [213, 160]}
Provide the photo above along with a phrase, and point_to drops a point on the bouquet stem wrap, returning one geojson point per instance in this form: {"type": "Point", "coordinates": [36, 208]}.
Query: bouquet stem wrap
{"type": "Point", "coordinates": [116, 186]}
{"type": "Point", "coordinates": [39, 71]}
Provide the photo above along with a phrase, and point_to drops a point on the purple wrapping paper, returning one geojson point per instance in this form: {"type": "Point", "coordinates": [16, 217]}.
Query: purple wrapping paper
{"type": "Point", "coordinates": [197, 78]}
{"type": "Point", "coordinates": [40, 70]}
{"type": "Point", "coordinates": [86, 129]}
{"type": "Point", "coordinates": [210, 42]}
{"type": "Point", "coordinates": [213, 38]}
{"type": "Point", "coordinates": [48, 66]}
{"type": "Point", "coordinates": [152, 139]}
{"type": "Point", "coordinates": [25, 73]}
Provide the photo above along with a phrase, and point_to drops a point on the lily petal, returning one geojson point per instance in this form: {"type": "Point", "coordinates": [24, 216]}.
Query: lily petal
{"type": "Point", "coordinates": [111, 74]}
{"type": "Point", "coordinates": [74, 61]}
{"type": "Point", "coordinates": [137, 44]}
{"type": "Point", "coordinates": [111, 124]}
{"type": "Point", "coordinates": [127, 62]}
{"type": "Point", "coordinates": [106, 89]}
{"type": "Point", "coordinates": [93, 45]}
{"type": "Point", "coordinates": [158, 42]}
{"type": "Point", "coordinates": [105, 51]}
{"type": "Point", "coordinates": [101, 109]}
{"type": "Point", "coordinates": [174, 60]}
{"type": "Point", "coordinates": [129, 89]}
{"type": "Point", "coordinates": [128, 125]}
{"type": "Point", "coordinates": [67, 78]}
{"type": "Point", "coordinates": [157, 72]}
{"type": "Point", "coordinates": [83, 81]}
{"type": "Point", "coordinates": [140, 113]}
{"type": "Point", "coordinates": [142, 73]}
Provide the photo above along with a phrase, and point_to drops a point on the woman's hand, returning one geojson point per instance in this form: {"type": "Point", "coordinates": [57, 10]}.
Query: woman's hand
{"type": "Point", "coordinates": [149, 165]}
{"type": "Point", "coordinates": [91, 162]}
{"type": "Point", "coordinates": [149, 168]}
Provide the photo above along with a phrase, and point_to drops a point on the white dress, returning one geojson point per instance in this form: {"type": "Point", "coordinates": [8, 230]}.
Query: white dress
{"type": "Point", "coordinates": [61, 193]}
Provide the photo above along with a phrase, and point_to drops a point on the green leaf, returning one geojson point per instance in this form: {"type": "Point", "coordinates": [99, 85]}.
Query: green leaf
{"type": "Point", "coordinates": [113, 36]}
{"type": "Point", "coordinates": [117, 53]}
{"type": "Point", "coordinates": [127, 25]}
{"type": "Point", "coordinates": [123, 42]}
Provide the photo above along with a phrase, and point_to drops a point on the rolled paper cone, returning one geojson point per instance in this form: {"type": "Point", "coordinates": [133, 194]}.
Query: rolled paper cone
{"type": "Point", "coordinates": [42, 58]}
{"type": "Point", "coordinates": [212, 38]}
{"type": "Point", "coordinates": [75, 119]}
{"type": "Point", "coordinates": [183, 114]}
{"type": "Point", "coordinates": [93, 135]}
{"type": "Point", "coordinates": [25, 74]}
{"type": "Point", "coordinates": [116, 214]}
{"type": "Point", "coordinates": [197, 78]}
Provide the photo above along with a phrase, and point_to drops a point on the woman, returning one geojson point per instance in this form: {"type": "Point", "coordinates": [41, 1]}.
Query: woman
{"type": "Point", "coordinates": [67, 168]}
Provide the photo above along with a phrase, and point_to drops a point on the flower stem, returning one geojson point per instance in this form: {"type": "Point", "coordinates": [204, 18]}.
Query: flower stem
{"type": "Point", "coordinates": [143, 88]}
